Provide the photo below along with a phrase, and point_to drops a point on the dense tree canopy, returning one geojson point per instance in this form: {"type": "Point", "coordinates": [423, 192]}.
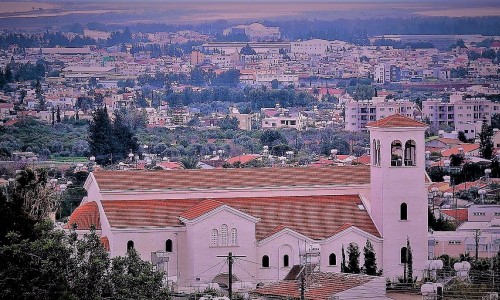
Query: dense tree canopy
{"type": "Point", "coordinates": [39, 262]}
{"type": "Point", "coordinates": [110, 141]}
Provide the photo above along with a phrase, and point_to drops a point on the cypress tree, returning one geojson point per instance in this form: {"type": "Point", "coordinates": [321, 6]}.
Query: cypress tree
{"type": "Point", "coordinates": [409, 261]}
{"type": "Point", "coordinates": [58, 116]}
{"type": "Point", "coordinates": [486, 144]}
{"type": "Point", "coordinates": [370, 265]}
{"type": "Point", "coordinates": [343, 266]}
{"type": "Point", "coordinates": [39, 95]}
{"type": "Point", "coordinates": [353, 253]}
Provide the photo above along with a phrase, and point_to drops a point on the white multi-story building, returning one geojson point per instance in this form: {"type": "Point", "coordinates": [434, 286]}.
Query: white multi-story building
{"type": "Point", "coordinates": [284, 121]}
{"type": "Point", "coordinates": [359, 113]}
{"type": "Point", "coordinates": [317, 46]}
{"type": "Point", "coordinates": [465, 115]}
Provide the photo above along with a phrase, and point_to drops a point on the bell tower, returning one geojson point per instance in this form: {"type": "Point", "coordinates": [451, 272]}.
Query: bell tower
{"type": "Point", "coordinates": [398, 193]}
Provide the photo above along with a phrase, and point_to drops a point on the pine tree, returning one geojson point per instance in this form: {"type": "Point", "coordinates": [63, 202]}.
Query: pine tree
{"type": "Point", "coordinates": [486, 144]}
{"type": "Point", "coordinates": [124, 141]}
{"type": "Point", "coordinates": [343, 266]}
{"type": "Point", "coordinates": [353, 253]}
{"type": "Point", "coordinates": [370, 265]}
{"type": "Point", "coordinates": [101, 136]}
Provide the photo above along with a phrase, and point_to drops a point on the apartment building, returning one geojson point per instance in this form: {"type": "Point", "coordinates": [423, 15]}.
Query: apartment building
{"type": "Point", "coordinates": [464, 115]}
{"type": "Point", "coordinates": [359, 113]}
{"type": "Point", "coordinates": [384, 73]}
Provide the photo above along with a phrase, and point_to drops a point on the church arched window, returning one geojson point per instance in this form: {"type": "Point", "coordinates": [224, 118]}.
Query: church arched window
{"type": "Point", "coordinates": [130, 245]}
{"type": "Point", "coordinates": [410, 150]}
{"type": "Point", "coordinates": [286, 260]}
{"type": "Point", "coordinates": [234, 237]}
{"type": "Point", "coordinates": [403, 211]}
{"type": "Point", "coordinates": [168, 245]}
{"type": "Point", "coordinates": [265, 261]}
{"type": "Point", "coordinates": [332, 259]}
{"type": "Point", "coordinates": [223, 233]}
{"type": "Point", "coordinates": [378, 153]}
{"type": "Point", "coordinates": [396, 154]}
{"type": "Point", "coordinates": [215, 237]}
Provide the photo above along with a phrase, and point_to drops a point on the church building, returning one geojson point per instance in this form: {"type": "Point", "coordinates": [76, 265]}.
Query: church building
{"type": "Point", "coordinates": [269, 217]}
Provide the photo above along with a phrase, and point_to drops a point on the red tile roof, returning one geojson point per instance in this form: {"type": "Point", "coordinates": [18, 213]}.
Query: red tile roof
{"type": "Point", "coordinates": [317, 217]}
{"type": "Point", "coordinates": [328, 284]}
{"type": "Point", "coordinates": [455, 150]}
{"type": "Point", "coordinates": [460, 214]}
{"type": "Point", "coordinates": [231, 178]}
{"type": "Point", "coordinates": [85, 216]}
{"type": "Point", "coordinates": [243, 159]}
{"type": "Point", "coordinates": [200, 209]}
{"type": "Point", "coordinates": [396, 120]}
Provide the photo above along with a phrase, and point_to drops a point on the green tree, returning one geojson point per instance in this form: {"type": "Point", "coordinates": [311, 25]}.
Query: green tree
{"type": "Point", "coordinates": [132, 278]}
{"type": "Point", "coordinates": [343, 266]}
{"type": "Point", "coordinates": [272, 138]}
{"type": "Point", "coordinates": [123, 139]}
{"type": "Point", "coordinates": [26, 201]}
{"type": "Point", "coordinates": [486, 144]}
{"type": "Point", "coordinates": [408, 263]}
{"type": "Point", "coordinates": [58, 116]}
{"type": "Point", "coordinates": [462, 137]}
{"type": "Point", "coordinates": [39, 96]}
{"type": "Point", "coordinates": [189, 162]}
{"type": "Point", "coordinates": [101, 136]}
{"type": "Point", "coordinates": [39, 262]}
{"type": "Point", "coordinates": [228, 123]}
{"type": "Point", "coordinates": [353, 254]}
{"type": "Point", "coordinates": [247, 50]}
{"type": "Point", "coordinates": [456, 160]}
{"type": "Point", "coordinates": [370, 265]}
{"type": "Point", "coordinates": [275, 84]}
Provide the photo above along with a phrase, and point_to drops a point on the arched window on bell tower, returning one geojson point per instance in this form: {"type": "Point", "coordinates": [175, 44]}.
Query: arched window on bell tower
{"type": "Point", "coordinates": [396, 154]}
{"type": "Point", "coordinates": [378, 153]}
{"type": "Point", "coordinates": [410, 152]}
{"type": "Point", "coordinates": [403, 211]}
{"type": "Point", "coordinates": [374, 152]}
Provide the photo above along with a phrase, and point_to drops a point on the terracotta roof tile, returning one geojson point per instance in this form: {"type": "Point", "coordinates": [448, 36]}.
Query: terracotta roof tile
{"type": "Point", "coordinates": [396, 120]}
{"type": "Point", "coordinates": [243, 159]}
{"type": "Point", "coordinates": [461, 214]}
{"type": "Point", "coordinates": [85, 216]}
{"type": "Point", "coordinates": [456, 150]}
{"type": "Point", "coordinates": [200, 209]}
{"type": "Point", "coordinates": [317, 217]}
{"type": "Point", "coordinates": [231, 178]}
{"type": "Point", "coordinates": [327, 285]}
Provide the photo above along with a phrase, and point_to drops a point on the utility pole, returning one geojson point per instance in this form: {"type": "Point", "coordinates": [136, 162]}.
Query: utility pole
{"type": "Point", "coordinates": [230, 260]}
{"type": "Point", "coordinates": [476, 238]}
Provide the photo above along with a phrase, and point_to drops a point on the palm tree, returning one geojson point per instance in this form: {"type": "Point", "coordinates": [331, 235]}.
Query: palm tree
{"type": "Point", "coordinates": [189, 162]}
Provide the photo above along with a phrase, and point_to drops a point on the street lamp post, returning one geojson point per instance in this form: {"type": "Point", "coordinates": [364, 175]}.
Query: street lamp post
{"type": "Point", "coordinates": [482, 194]}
